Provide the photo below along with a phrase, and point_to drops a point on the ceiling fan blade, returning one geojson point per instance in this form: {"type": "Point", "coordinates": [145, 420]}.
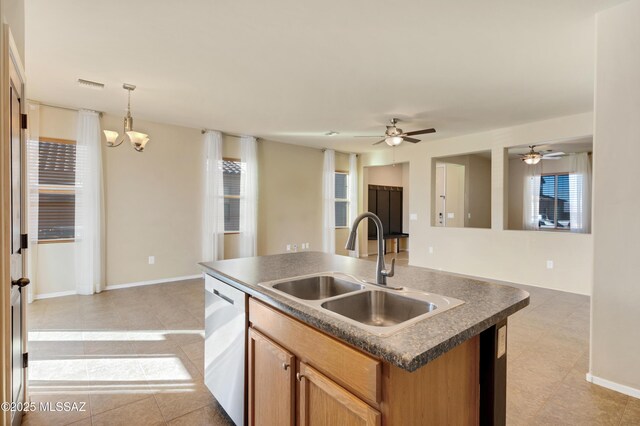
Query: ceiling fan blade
{"type": "Point", "coordinates": [420, 132]}
{"type": "Point", "coordinates": [379, 142]}
{"type": "Point", "coordinates": [551, 158]}
{"type": "Point", "coordinates": [554, 154]}
{"type": "Point", "coordinates": [371, 136]}
{"type": "Point", "coordinates": [412, 140]}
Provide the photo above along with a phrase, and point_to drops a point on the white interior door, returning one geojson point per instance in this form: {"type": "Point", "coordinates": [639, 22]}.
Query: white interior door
{"type": "Point", "coordinates": [441, 198]}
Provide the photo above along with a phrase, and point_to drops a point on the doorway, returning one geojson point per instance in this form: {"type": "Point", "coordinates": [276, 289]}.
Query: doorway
{"type": "Point", "coordinates": [386, 193]}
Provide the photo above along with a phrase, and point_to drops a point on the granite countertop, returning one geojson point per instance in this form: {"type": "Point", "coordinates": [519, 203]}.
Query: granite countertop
{"type": "Point", "coordinates": [485, 305]}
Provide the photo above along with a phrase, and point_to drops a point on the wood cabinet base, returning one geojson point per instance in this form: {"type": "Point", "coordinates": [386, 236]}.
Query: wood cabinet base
{"type": "Point", "coordinates": [338, 384]}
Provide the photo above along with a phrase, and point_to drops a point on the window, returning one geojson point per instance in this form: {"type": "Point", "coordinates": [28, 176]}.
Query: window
{"type": "Point", "coordinates": [56, 190]}
{"type": "Point", "coordinates": [342, 199]}
{"type": "Point", "coordinates": [231, 173]}
{"type": "Point", "coordinates": [555, 207]}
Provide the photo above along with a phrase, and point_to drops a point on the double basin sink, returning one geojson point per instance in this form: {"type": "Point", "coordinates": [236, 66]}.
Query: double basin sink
{"type": "Point", "coordinates": [376, 309]}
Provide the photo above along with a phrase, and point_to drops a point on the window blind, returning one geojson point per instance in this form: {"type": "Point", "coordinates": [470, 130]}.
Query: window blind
{"type": "Point", "coordinates": [555, 202]}
{"type": "Point", "coordinates": [231, 175]}
{"type": "Point", "coordinates": [56, 165]}
{"type": "Point", "coordinates": [342, 199]}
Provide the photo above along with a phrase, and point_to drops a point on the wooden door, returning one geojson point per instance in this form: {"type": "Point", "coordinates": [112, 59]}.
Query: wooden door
{"type": "Point", "coordinates": [382, 208]}
{"type": "Point", "coordinates": [322, 402]}
{"type": "Point", "coordinates": [18, 238]}
{"type": "Point", "coordinates": [372, 207]}
{"type": "Point", "coordinates": [271, 382]}
{"type": "Point", "coordinates": [395, 211]}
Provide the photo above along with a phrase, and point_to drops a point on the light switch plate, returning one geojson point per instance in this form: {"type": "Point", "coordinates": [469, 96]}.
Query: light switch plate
{"type": "Point", "coordinates": [549, 264]}
{"type": "Point", "coordinates": [451, 215]}
{"type": "Point", "coordinates": [502, 341]}
{"type": "Point", "coordinates": [413, 216]}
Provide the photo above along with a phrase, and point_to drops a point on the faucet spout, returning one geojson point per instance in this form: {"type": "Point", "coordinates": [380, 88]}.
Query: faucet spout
{"type": "Point", "coordinates": [381, 272]}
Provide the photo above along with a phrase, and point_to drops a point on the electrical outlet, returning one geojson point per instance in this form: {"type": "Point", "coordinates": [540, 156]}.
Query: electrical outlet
{"type": "Point", "coordinates": [430, 250]}
{"type": "Point", "coordinates": [288, 247]}
{"type": "Point", "coordinates": [468, 215]}
{"type": "Point", "coordinates": [152, 260]}
{"type": "Point", "coordinates": [549, 264]}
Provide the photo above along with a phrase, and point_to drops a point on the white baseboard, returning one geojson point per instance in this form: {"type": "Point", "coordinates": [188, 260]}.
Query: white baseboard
{"type": "Point", "coordinates": [151, 282]}
{"type": "Point", "coordinates": [117, 286]}
{"type": "Point", "coordinates": [55, 294]}
{"type": "Point", "coordinates": [627, 390]}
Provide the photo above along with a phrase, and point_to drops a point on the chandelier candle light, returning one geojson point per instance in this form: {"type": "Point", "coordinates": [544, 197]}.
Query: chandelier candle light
{"type": "Point", "coordinates": [138, 140]}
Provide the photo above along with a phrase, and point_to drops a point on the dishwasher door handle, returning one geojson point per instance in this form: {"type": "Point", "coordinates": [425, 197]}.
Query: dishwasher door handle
{"type": "Point", "coordinates": [223, 297]}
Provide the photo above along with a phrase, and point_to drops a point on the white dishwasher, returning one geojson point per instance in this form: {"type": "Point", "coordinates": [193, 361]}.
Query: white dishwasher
{"type": "Point", "coordinates": [225, 318]}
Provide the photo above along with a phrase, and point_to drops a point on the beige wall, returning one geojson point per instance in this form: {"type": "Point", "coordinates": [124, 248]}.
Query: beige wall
{"type": "Point", "coordinates": [615, 312]}
{"type": "Point", "coordinates": [290, 197]}
{"type": "Point", "coordinates": [478, 210]}
{"type": "Point", "coordinates": [152, 205]}
{"type": "Point", "coordinates": [454, 176]}
{"type": "Point", "coordinates": [13, 14]}
{"type": "Point", "coordinates": [153, 202]}
{"type": "Point", "coordinates": [516, 256]}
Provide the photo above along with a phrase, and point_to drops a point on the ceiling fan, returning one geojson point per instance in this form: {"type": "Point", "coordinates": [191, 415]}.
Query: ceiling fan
{"type": "Point", "coordinates": [394, 136]}
{"type": "Point", "coordinates": [533, 157]}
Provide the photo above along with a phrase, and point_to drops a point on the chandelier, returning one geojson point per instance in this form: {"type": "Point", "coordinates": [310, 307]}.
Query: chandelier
{"type": "Point", "coordinates": [138, 140]}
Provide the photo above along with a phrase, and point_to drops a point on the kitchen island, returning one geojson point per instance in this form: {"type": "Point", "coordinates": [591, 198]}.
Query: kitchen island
{"type": "Point", "coordinates": [304, 362]}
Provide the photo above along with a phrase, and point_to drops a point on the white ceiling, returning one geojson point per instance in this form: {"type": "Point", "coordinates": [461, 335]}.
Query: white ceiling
{"type": "Point", "coordinates": [291, 70]}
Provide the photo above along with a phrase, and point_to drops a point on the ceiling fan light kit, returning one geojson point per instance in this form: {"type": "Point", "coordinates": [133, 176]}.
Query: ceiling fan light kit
{"type": "Point", "coordinates": [533, 157]}
{"type": "Point", "coordinates": [393, 140]}
{"type": "Point", "coordinates": [394, 135]}
{"type": "Point", "coordinates": [138, 140]}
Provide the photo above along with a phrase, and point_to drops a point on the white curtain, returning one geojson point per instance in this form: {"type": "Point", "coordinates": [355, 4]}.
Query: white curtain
{"type": "Point", "coordinates": [33, 167]}
{"type": "Point", "coordinates": [248, 197]}
{"type": "Point", "coordinates": [213, 213]}
{"type": "Point", "coordinates": [329, 202]}
{"type": "Point", "coordinates": [580, 193]}
{"type": "Point", "coordinates": [353, 196]}
{"type": "Point", "coordinates": [531, 197]}
{"type": "Point", "coordinates": [89, 214]}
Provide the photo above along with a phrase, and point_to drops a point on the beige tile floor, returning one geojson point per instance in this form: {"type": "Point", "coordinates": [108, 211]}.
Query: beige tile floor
{"type": "Point", "coordinates": [135, 357]}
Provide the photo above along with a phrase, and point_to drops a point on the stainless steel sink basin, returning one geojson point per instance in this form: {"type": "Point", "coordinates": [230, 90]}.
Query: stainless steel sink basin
{"type": "Point", "coordinates": [317, 287]}
{"type": "Point", "coordinates": [379, 308]}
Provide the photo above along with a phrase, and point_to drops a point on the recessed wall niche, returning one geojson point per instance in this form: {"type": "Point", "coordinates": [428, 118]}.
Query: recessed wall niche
{"type": "Point", "coordinates": [551, 190]}
{"type": "Point", "coordinates": [461, 191]}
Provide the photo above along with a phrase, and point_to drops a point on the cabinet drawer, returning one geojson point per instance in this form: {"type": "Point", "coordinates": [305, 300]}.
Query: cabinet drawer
{"type": "Point", "coordinates": [352, 369]}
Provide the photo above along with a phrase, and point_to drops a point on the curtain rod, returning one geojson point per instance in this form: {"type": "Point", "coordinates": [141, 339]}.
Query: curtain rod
{"type": "Point", "coordinates": [61, 107]}
{"type": "Point", "coordinates": [203, 131]}
{"type": "Point", "coordinates": [340, 152]}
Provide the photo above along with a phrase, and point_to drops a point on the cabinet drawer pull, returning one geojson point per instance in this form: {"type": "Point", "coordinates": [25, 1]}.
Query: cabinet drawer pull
{"type": "Point", "coordinates": [285, 366]}
{"type": "Point", "coordinates": [299, 376]}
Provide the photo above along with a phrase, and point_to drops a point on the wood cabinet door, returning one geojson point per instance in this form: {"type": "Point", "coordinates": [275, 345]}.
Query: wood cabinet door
{"type": "Point", "coordinates": [322, 402]}
{"type": "Point", "coordinates": [271, 382]}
